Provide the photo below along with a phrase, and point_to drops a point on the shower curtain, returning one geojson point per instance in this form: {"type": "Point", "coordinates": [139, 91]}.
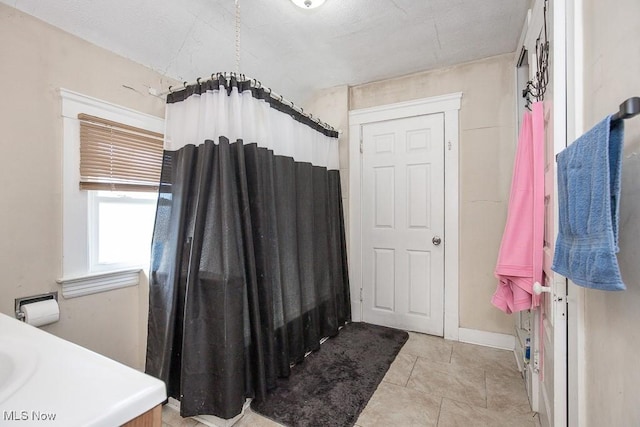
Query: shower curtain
{"type": "Point", "coordinates": [248, 265]}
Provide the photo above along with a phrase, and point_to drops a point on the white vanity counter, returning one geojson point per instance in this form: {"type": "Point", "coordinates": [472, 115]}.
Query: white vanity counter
{"type": "Point", "coordinates": [46, 380]}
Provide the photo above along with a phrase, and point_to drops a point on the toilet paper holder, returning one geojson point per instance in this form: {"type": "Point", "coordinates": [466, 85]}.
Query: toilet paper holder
{"type": "Point", "coordinates": [28, 300]}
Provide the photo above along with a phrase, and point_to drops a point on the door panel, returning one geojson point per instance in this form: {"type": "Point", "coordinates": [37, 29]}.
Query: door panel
{"type": "Point", "coordinates": [418, 186]}
{"type": "Point", "coordinates": [419, 275]}
{"type": "Point", "coordinates": [403, 210]}
{"type": "Point", "coordinates": [384, 279]}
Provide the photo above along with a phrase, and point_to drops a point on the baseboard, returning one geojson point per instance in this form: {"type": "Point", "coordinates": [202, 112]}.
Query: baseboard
{"type": "Point", "coordinates": [487, 339]}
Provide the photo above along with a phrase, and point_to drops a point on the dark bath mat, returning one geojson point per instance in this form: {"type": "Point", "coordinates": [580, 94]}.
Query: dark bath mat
{"type": "Point", "coordinates": [333, 385]}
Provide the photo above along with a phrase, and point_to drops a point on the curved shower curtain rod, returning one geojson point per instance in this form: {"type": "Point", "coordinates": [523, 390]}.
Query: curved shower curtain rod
{"type": "Point", "coordinates": [254, 83]}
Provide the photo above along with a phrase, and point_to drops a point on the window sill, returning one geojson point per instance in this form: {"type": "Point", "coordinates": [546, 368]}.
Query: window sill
{"type": "Point", "coordinates": [74, 287]}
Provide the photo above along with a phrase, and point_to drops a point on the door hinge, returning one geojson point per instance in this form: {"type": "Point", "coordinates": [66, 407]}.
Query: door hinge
{"type": "Point", "coordinates": [449, 144]}
{"type": "Point", "coordinates": [361, 150]}
{"type": "Point", "coordinates": [361, 299]}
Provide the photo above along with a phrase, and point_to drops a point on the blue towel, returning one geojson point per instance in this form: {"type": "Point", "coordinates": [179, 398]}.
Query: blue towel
{"type": "Point", "coordinates": [589, 173]}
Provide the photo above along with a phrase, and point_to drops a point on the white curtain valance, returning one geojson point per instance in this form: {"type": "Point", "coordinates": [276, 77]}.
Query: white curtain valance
{"type": "Point", "coordinates": [239, 115]}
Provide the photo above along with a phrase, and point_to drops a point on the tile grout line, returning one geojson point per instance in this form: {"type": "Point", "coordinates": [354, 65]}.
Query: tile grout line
{"type": "Point", "coordinates": [411, 373]}
{"type": "Point", "coordinates": [486, 392]}
{"type": "Point", "coordinates": [440, 411]}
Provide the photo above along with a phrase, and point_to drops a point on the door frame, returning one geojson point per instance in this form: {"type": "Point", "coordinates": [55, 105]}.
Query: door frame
{"type": "Point", "coordinates": [576, 369]}
{"type": "Point", "coordinates": [559, 285]}
{"type": "Point", "coordinates": [449, 106]}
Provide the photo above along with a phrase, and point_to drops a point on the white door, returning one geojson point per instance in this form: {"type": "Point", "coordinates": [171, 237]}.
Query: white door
{"type": "Point", "coordinates": [549, 391]}
{"type": "Point", "coordinates": [403, 223]}
{"type": "Point", "coordinates": [551, 327]}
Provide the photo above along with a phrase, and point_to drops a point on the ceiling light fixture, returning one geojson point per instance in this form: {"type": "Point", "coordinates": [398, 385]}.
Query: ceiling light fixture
{"type": "Point", "coordinates": [308, 4]}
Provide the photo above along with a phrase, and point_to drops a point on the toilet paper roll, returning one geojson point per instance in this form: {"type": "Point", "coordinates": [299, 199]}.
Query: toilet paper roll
{"type": "Point", "coordinates": [41, 313]}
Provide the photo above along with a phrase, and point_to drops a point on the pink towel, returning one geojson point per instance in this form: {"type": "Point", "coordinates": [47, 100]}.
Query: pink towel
{"type": "Point", "coordinates": [520, 258]}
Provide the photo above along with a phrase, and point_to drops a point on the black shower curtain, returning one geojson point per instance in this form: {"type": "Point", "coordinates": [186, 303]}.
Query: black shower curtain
{"type": "Point", "coordinates": [248, 265]}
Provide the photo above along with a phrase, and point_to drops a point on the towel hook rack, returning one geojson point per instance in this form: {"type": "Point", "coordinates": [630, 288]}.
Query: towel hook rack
{"type": "Point", "coordinates": [628, 109]}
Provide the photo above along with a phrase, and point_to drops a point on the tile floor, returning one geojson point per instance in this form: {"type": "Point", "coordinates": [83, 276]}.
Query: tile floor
{"type": "Point", "coordinates": [433, 382]}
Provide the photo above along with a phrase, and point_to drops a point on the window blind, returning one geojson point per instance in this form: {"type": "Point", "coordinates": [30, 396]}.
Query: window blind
{"type": "Point", "coordinates": [115, 156]}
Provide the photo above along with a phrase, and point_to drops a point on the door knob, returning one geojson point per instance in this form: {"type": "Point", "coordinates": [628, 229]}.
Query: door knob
{"type": "Point", "coordinates": [538, 288]}
{"type": "Point", "coordinates": [436, 240]}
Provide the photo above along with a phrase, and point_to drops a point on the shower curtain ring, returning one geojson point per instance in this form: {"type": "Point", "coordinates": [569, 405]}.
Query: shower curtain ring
{"type": "Point", "coordinates": [185, 84]}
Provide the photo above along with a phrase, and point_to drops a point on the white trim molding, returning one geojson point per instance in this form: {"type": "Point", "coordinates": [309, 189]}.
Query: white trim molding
{"type": "Point", "coordinates": [576, 334]}
{"type": "Point", "coordinates": [74, 103]}
{"type": "Point", "coordinates": [487, 339]}
{"type": "Point", "coordinates": [449, 106]}
{"type": "Point", "coordinates": [78, 277]}
{"type": "Point", "coordinates": [73, 287]}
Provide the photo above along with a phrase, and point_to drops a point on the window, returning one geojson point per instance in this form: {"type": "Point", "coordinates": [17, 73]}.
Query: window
{"type": "Point", "coordinates": [112, 158]}
{"type": "Point", "coordinates": [120, 229]}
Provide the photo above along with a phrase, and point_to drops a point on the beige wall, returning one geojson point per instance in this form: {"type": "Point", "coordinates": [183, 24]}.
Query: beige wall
{"type": "Point", "coordinates": [612, 319]}
{"type": "Point", "coordinates": [487, 149]}
{"type": "Point", "coordinates": [36, 60]}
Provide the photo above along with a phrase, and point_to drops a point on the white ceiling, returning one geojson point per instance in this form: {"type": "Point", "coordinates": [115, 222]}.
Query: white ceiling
{"type": "Point", "coordinates": [293, 51]}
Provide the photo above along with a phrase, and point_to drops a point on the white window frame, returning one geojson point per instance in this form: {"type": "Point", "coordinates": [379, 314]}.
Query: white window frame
{"type": "Point", "coordinates": [77, 277]}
